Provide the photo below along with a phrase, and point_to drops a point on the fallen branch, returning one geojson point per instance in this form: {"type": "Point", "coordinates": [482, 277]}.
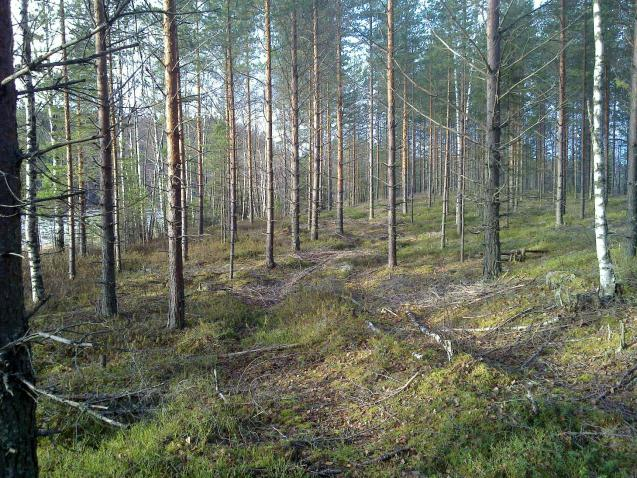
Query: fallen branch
{"type": "Point", "coordinates": [62, 340]}
{"type": "Point", "coordinates": [385, 456]}
{"type": "Point", "coordinates": [445, 343]}
{"type": "Point", "coordinates": [628, 377]}
{"type": "Point", "coordinates": [80, 406]}
{"type": "Point", "coordinates": [398, 390]}
{"type": "Point", "coordinates": [48, 336]}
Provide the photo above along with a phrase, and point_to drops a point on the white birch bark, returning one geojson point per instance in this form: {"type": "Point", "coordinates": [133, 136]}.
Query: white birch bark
{"type": "Point", "coordinates": [606, 272]}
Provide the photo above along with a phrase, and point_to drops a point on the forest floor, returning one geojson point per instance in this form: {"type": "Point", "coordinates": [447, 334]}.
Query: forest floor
{"type": "Point", "coordinates": [329, 365]}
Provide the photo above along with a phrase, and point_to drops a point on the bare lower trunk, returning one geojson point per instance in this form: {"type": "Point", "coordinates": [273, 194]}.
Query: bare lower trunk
{"type": "Point", "coordinates": [232, 141]}
{"type": "Point", "coordinates": [491, 266]}
{"type": "Point", "coordinates": [176, 303]}
{"type": "Point", "coordinates": [632, 150]}
{"type": "Point", "coordinates": [18, 456]}
{"type": "Point", "coordinates": [370, 132]}
{"type": "Point", "coordinates": [445, 177]}
{"type": "Point", "coordinates": [108, 306]}
{"type": "Point", "coordinates": [294, 86]}
{"type": "Point", "coordinates": [69, 154]}
{"type": "Point", "coordinates": [391, 141]}
{"type": "Point", "coordinates": [404, 151]}
{"type": "Point", "coordinates": [199, 132]}
{"type": "Point", "coordinates": [250, 154]}
{"type": "Point", "coordinates": [560, 195]}
{"type": "Point", "coordinates": [339, 126]}
{"type": "Point", "coordinates": [269, 156]}
{"type": "Point", "coordinates": [584, 139]}
{"type": "Point", "coordinates": [81, 182]}
{"type": "Point", "coordinates": [316, 153]}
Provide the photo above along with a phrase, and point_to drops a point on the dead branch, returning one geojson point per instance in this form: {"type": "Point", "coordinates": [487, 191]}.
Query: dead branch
{"type": "Point", "coordinates": [385, 456]}
{"type": "Point", "coordinates": [80, 406]}
{"type": "Point", "coordinates": [399, 389]}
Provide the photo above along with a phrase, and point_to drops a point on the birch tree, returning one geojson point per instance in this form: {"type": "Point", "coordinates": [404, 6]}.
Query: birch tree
{"type": "Point", "coordinates": [606, 272]}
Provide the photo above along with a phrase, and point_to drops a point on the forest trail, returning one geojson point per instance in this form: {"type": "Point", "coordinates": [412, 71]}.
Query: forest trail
{"type": "Point", "coordinates": [328, 365]}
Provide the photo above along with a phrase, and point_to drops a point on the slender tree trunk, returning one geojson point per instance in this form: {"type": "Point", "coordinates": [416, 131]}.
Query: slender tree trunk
{"type": "Point", "coordinates": [464, 104]}
{"type": "Point", "coordinates": [430, 175]}
{"type": "Point", "coordinates": [108, 306]}
{"type": "Point", "coordinates": [560, 196]}
{"type": "Point", "coordinates": [404, 152]}
{"type": "Point", "coordinates": [445, 177]}
{"type": "Point", "coordinates": [294, 93]}
{"type": "Point", "coordinates": [339, 124]}
{"type": "Point", "coordinates": [232, 138]}
{"type": "Point", "coordinates": [18, 456]}
{"type": "Point", "coordinates": [250, 153]}
{"type": "Point", "coordinates": [328, 158]}
{"type": "Point", "coordinates": [115, 161]}
{"type": "Point", "coordinates": [33, 236]}
{"type": "Point", "coordinates": [183, 171]}
{"type": "Point", "coordinates": [606, 272]}
{"type": "Point", "coordinates": [176, 303]}
{"type": "Point", "coordinates": [82, 186]}
{"type": "Point", "coordinates": [491, 265]}
{"type": "Point", "coordinates": [316, 153]}
{"type": "Point", "coordinates": [69, 153]}
{"type": "Point", "coordinates": [632, 147]}
{"type": "Point", "coordinates": [391, 141]}
{"type": "Point", "coordinates": [200, 154]}
{"type": "Point", "coordinates": [370, 133]}
{"type": "Point", "coordinates": [584, 140]}
{"type": "Point", "coordinates": [58, 213]}
{"type": "Point", "coordinates": [269, 157]}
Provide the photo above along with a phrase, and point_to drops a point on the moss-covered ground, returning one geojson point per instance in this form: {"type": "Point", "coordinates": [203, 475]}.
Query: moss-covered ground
{"type": "Point", "coordinates": [319, 367]}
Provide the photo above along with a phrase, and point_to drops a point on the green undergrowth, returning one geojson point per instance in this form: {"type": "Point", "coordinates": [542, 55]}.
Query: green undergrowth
{"type": "Point", "coordinates": [304, 386]}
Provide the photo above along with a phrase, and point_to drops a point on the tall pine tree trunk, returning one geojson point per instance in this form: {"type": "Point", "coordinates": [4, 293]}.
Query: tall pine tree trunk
{"type": "Point", "coordinates": [108, 306]}
{"type": "Point", "coordinates": [370, 133]}
{"type": "Point", "coordinates": [316, 153]}
{"type": "Point", "coordinates": [560, 179]}
{"type": "Point", "coordinates": [491, 267]}
{"type": "Point", "coordinates": [269, 156]}
{"type": "Point", "coordinates": [70, 178]}
{"type": "Point", "coordinates": [200, 146]}
{"type": "Point", "coordinates": [17, 406]}
{"type": "Point", "coordinates": [176, 300]}
{"type": "Point", "coordinates": [584, 168]}
{"type": "Point", "coordinates": [250, 153]}
{"type": "Point", "coordinates": [632, 147]}
{"type": "Point", "coordinates": [391, 141]}
{"type": "Point", "coordinates": [404, 152]}
{"type": "Point", "coordinates": [445, 176]}
{"type": "Point", "coordinates": [339, 124]}
{"type": "Point", "coordinates": [294, 93]}
{"type": "Point", "coordinates": [232, 143]}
